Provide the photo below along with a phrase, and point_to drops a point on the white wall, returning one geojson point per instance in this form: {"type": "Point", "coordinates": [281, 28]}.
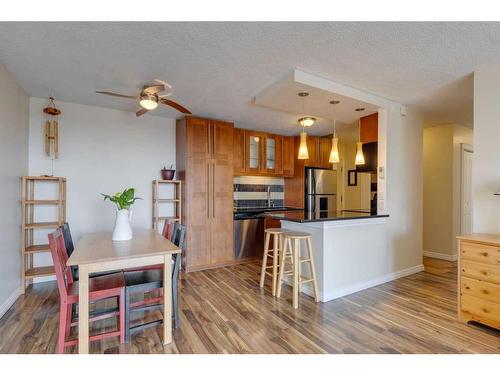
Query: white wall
{"type": "Point", "coordinates": [486, 161]}
{"type": "Point", "coordinates": [101, 151]}
{"type": "Point", "coordinates": [438, 187]}
{"type": "Point", "coordinates": [404, 186]}
{"type": "Point", "coordinates": [13, 164]}
{"type": "Point", "coordinates": [442, 182]}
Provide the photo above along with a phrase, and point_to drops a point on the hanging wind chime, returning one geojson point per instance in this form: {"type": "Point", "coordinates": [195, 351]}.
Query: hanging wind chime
{"type": "Point", "coordinates": [52, 131]}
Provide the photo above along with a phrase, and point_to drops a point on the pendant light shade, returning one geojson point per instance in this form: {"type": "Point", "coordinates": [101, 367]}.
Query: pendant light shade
{"type": "Point", "coordinates": [334, 153]}
{"type": "Point", "coordinates": [360, 159]}
{"type": "Point", "coordinates": [303, 154]}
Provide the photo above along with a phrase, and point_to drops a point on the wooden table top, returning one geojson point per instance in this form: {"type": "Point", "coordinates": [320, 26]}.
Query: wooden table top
{"type": "Point", "coordinates": [484, 238]}
{"type": "Point", "coordinates": [98, 247]}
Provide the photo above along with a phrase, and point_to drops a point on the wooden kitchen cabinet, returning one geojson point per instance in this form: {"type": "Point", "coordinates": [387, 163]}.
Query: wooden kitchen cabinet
{"type": "Point", "coordinates": [262, 153]}
{"type": "Point", "coordinates": [204, 155]}
{"type": "Point", "coordinates": [368, 131]}
{"type": "Point", "coordinates": [288, 156]}
{"type": "Point", "coordinates": [239, 151]}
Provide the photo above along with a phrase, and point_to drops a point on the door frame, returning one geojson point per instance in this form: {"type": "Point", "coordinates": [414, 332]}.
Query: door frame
{"type": "Point", "coordinates": [464, 147]}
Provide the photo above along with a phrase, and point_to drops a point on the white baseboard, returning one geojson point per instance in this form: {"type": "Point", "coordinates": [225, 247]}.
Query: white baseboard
{"type": "Point", "coordinates": [449, 257]}
{"type": "Point", "coordinates": [325, 297]}
{"type": "Point", "coordinates": [9, 302]}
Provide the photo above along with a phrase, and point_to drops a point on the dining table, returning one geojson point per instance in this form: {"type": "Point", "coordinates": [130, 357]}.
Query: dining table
{"type": "Point", "coordinates": [97, 252]}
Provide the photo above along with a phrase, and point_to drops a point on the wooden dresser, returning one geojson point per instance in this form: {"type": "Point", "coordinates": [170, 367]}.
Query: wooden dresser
{"type": "Point", "coordinates": [479, 279]}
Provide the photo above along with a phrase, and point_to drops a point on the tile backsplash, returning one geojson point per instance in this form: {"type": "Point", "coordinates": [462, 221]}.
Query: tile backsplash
{"type": "Point", "coordinates": [252, 191]}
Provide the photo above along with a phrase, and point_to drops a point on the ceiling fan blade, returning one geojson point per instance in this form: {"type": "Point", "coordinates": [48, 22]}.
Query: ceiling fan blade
{"type": "Point", "coordinates": [175, 105]}
{"type": "Point", "coordinates": [141, 111]}
{"type": "Point", "coordinates": [115, 94]}
{"type": "Point", "coordinates": [165, 83]}
{"type": "Point", "coordinates": [164, 95]}
{"type": "Point", "coordinates": [153, 89]}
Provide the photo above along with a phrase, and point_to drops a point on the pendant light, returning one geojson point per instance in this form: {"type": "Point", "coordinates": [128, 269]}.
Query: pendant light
{"type": "Point", "coordinates": [360, 159]}
{"type": "Point", "coordinates": [334, 153]}
{"type": "Point", "coordinates": [305, 121]}
{"type": "Point", "coordinates": [303, 153]}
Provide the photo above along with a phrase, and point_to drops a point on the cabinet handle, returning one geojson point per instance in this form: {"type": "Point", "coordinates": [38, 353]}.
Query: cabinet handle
{"type": "Point", "coordinates": [213, 189]}
{"type": "Point", "coordinates": [208, 191]}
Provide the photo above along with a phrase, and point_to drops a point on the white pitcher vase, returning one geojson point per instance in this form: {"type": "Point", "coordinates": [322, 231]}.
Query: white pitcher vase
{"type": "Point", "coordinates": [123, 230]}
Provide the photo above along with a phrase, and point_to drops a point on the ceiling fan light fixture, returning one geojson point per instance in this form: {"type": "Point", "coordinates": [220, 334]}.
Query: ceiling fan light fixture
{"type": "Point", "coordinates": [149, 102]}
{"type": "Point", "coordinates": [307, 121]}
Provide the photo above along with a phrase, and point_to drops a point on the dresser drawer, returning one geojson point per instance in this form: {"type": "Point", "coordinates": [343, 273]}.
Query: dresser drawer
{"type": "Point", "coordinates": [480, 253]}
{"type": "Point", "coordinates": [478, 308]}
{"type": "Point", "coordinates": [480, 289]}
{"type": "Point", "coordinates": [480, 271]}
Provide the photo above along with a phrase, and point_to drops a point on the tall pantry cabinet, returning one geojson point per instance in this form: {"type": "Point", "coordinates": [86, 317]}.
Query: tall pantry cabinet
{"type": "Point", "coordinates": [204, 158]}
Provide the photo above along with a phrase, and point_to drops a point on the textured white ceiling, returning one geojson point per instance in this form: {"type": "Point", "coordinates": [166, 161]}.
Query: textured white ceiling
{"type": "Point", "coordinates": [218, 68]}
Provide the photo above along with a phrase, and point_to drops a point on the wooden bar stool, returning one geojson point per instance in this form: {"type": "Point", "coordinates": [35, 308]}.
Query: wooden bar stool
{"type": "Point", "coordinates": [273, 253]}
{"type": "Point", "coordinates": [292, 244]}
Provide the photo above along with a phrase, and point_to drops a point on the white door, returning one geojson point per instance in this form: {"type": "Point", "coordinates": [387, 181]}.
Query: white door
{"type": "Point", "coordinates": [466, 191]}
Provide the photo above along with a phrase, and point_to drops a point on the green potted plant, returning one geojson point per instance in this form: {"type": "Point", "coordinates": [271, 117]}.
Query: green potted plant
{"type": "Point", "coordinates": [123, 200]}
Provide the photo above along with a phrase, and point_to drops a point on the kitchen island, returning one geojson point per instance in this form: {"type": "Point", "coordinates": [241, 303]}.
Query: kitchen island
{"type": "Point", "coordinates": [351, 250]}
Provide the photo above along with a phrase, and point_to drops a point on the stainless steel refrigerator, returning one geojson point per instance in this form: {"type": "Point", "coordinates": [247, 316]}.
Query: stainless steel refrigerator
{"type": "Point", "coordinates": [321, 190]}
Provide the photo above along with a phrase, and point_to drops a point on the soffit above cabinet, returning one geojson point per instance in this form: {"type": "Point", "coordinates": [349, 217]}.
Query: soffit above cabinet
{"type": "Point", "coordinates": [282, 96]}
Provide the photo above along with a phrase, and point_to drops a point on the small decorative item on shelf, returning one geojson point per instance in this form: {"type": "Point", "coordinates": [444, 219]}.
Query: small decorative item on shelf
{"type": "Point", "coordinates": [168, 174]}
{"type": "Point", "coordinates": [122, 230]}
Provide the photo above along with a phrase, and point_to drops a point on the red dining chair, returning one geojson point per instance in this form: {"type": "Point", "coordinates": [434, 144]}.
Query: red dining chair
{"type": "Point", "coordinates": [100, 287]}
{"type": "Point", "coordinates": [168, 228]}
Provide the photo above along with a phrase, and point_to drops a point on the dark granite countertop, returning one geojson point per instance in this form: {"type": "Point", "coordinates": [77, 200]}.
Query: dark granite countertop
{"type": "Point", "coordinates": [256, 212]}
{"type": "Point", "coordinates": [308, 217]}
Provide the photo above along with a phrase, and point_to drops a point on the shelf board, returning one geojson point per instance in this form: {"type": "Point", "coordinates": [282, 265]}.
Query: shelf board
{"type": "Point", "coordinates": [167, 200]}
{"type": "Point", "coordinates": [37, 248]}
{"type": "Point", "coordinates": [45, 178]}
{"type": "Point", "coordinates": [42, 225]}
{"type": "Point", "coordinates": [44, 201]}
{"type": "Point", "coordinates": [167, 181]}
{"type": "Point", "coordinates": [40, 271]}
{"type": "Point", "coordinates": [173, 218]}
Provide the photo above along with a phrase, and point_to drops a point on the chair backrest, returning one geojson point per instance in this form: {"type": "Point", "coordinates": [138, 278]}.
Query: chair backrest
{"type": "Point", "coordinates": [59, 258]}
{"type": "Point", "coordinates": [179, 235]}
{"type": "Point", "coordinates": [178, 238]}
{"type": "Point", "coordinates": [168, 228]}
{"type": "Point", "coordinates": [68, 243]}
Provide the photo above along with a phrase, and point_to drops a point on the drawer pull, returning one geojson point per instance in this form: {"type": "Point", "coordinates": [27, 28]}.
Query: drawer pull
{"type": "Point", "coordinates": [485, 310]}
{"type": "Point", "coordinates": [485, 291]}
{"type": "Point", "coordinates": [485, 254]}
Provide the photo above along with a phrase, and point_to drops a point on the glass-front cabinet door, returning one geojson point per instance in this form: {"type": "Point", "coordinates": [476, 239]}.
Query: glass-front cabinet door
{"type": "Point", "coordinates": [253, 145]}
{"type": "Point", "coordinates": [273, 154]}
{"type": "Point", "coordinates": [270, 153]}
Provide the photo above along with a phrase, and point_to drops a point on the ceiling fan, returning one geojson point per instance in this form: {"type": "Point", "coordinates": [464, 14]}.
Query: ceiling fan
{"type": "Point", "coordinates": [149, 98]}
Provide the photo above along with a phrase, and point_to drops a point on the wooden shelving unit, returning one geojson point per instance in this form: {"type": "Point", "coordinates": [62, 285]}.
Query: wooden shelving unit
{"type": "Point", "coordinates": [28, 224]}
{"type": "Point", "coordinates": [175, 200]}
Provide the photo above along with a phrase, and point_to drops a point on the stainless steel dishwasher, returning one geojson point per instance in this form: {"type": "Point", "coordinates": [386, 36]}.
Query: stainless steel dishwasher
{"type": "Point", "coordinates": [248, 237]}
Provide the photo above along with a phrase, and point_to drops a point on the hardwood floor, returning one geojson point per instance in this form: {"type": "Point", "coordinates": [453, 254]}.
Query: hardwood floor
{"type": "Point", "coordinates": [224, 311]}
